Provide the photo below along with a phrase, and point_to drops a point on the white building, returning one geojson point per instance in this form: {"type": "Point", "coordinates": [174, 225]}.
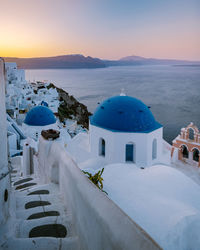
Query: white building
{"type": "Point", "coordinates": [15, 82]}
{"type": "Point", "coordinates": [123, 129]}
{"type": "Point", "coordinates": [13, 74]}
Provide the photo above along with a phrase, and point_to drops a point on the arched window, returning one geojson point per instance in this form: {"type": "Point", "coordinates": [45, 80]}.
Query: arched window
{"type": "Point", "coordinates": [130, 152]}
{"type": "Point", "coordinates": [154, 149]}
{"type": "Point", "coordinates": [191, 134]}
{"type": "Point", "coordinates": [184, 151]}
{"type": "Point", "coordinates": [102, 147]}
{"type": "Point", "coordinates": [196, 155]}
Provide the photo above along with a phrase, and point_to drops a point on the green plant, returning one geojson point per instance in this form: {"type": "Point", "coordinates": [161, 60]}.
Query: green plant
{"type": "Point", "coordinates": [97, 179]}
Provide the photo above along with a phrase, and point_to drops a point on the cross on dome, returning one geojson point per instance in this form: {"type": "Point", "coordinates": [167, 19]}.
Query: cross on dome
{"type": "Point", "coordinates": [122, 92]}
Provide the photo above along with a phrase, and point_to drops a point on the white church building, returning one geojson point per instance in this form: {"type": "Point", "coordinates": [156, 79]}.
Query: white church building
{"type": "Point", "coordinates": [124, 130]}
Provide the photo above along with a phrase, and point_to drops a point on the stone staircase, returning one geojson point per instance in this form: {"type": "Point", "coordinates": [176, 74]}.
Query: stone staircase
{"type": "Point", "coordinates": [41, 221]}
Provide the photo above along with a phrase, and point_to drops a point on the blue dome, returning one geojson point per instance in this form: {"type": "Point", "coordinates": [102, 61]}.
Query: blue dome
{"type": "Point", "coordinates": [124, 114]}
{"type": "Point", "coordinates": [40, 116]}
{"type": "Point", "coordinates": [43, 103]}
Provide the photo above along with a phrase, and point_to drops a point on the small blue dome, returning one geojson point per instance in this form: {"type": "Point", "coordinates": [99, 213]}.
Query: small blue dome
{"type": "Point", "coordinates": [124, 114]}
{"type": "Point", "coordinates": [43, 103]}
{"type": "Point", "coordinates": [40, 116]}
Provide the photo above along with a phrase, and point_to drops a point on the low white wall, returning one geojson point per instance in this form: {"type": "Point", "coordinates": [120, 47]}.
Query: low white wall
{"type": "Point", "coordinates": [4, 181]}
{"type": "Point", "coordinates": [99, 223]}
{"type": "Point", "coordinates": [3, 125]}
{"type": "Point", "coordinates": [4, 204]}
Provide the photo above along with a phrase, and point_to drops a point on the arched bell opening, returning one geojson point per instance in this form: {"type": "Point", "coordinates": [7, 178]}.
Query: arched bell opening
{"type": "Point", "coordinates": [191, 134]}
{"type": "Point", "coordinates": [195, 155]}
{"type": "Point", "coordinates": [185, 152]}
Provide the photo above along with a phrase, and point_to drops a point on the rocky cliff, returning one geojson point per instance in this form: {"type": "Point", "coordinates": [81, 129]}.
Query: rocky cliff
{"type": "Point", "coordinates": [70, 108]}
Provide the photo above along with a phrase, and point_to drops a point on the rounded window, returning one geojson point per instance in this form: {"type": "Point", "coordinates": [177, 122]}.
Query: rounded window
{"type": "Point", "coordinates": [6, 195]}
{"type": "Point", "coordinates": [102, 147]}
{"type": "Point", "coordinates": [154, 149]}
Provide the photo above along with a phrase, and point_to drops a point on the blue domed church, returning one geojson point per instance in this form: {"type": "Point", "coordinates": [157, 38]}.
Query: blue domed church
{"type": "Point", "coordinates": [124, 130]}
{"type": "Point", "coordinates": [37, 119]}
{"type": "Point", "coordinates": [40, 116]}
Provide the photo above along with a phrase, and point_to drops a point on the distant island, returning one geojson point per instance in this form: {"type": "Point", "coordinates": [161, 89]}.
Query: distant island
{"type": "Point", "coordinates": [57, 62]}
{"type": "Point", "coordinates": [138, 60]}
{"type": "Point", "coordinates": [77, 61]}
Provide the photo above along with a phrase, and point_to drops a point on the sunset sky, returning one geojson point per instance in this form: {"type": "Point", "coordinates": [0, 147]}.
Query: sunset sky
{"type": "Point", "coordinates": [108, 29]}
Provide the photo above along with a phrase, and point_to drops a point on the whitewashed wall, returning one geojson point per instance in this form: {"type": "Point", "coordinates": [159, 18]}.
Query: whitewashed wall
{"type": "Point", "coordinates": [4, 183]}
{"type": "Point", "coordinates": [116, 145]}
{"type": "Point", "coordinates": [20, 75]}
{"type": "Point", "coordinates": [99, 223]}
{"type": "Point", "coordinates": [12, 141]}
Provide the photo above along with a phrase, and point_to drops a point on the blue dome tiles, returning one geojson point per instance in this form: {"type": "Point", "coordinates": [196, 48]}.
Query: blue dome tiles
{"type": "Point", "coordinates": [124, 114]}
{"type": "Point", "coordinates": [40, 116]}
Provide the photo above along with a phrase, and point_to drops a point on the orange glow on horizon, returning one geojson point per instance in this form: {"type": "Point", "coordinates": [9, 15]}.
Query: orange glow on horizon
{"type": "Point", "coordinates": [45, 28]}
{"type": "Point", "coordinates": [34, 52]}
{"type": "Point", "coordinates": [152, 51]}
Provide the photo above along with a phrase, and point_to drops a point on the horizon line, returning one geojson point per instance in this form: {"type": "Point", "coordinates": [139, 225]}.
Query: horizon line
{"type": "Point", "coordinates": [189, 60]}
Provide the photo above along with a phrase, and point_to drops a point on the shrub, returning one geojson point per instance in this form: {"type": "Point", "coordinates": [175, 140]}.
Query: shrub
{"type": "Point", "coordinates": [97, 179]}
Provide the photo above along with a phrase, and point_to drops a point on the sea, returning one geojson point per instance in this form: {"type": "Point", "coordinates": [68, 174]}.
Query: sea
{"type": "Point", "coordinates": [172, 92]}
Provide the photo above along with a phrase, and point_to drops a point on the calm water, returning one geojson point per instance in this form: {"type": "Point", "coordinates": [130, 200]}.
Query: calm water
{"type": "Point", "coordinates": [172, 92]}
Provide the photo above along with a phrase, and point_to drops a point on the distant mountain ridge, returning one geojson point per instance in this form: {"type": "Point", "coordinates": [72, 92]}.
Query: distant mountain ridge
{"type": "Point", "coordinates": [138, 60]}
{"type": "Point", "coordinates": [132, 58]}
{"type": "Point", "coordinates": [77, 61]}
{"type": "Point", "coordinates": [57, 62]}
